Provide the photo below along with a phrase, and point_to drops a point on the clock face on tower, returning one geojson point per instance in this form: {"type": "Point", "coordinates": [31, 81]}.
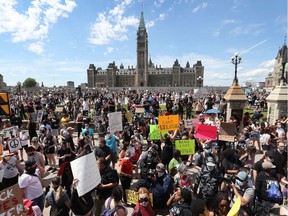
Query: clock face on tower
{"type": "Point", "coordinates": [141, 34]}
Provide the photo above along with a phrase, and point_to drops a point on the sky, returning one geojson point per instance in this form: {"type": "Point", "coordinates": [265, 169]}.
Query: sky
{"type": "Point", "coordinates": [54, 41]}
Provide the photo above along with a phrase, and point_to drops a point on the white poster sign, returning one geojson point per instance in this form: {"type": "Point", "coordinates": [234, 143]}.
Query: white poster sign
{"type": "Point", "coordinates": [190, 122]}
{"type": "Point", "coordinates": [10, 132]}
{"type": "Point", "coordinates": [39, 116]}
{"type": "Point", "coordinates": [115, 122]}
{"type": "Point", "coordinates": [86, 170]}
{"type": "Point", "coordinates": [14, 144]}
{"type": "Point", "coordinates": [1, 175]}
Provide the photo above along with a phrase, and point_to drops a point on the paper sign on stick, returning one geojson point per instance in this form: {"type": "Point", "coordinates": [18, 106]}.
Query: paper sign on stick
{"type": "Point", "coordinates": [85, 169]}
{"type": "Point", "coordinates": [188, 123]}
{"type": "Point", "coordinates": [1, 175]}
{"type": "Point", "coordinates": [206, 132]}
{"type": "Point", "coordinates": [115, 122]}
{"type": "Point", "coordinates": [39, 116]}
{"type": "Point", "coordinates": [132, 197]}
{"type": "Point", "coordinates": [186, 147]}
{"type": "Point", "coordinates": [154, 132]}
{"type": "Point", "coordinates": [167, 123]}
{"type": "Point", "coordinates": [11, 201]}
{"type": "Point", "coordinates": [227, 132]}
{"type": "Point", "coordinates": [235, 208]}
{"type": "Point", "coordinates": [10, 132]}
{"type": "Point", "coordinates": [14, 144]}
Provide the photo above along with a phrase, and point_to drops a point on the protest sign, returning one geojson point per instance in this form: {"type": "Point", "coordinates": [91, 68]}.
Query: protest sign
{"type": "Point", "coordinates": [85, 169]}
{"type": "Point", "coordinates": [186, 147]}
{"type": "Point", "coordinates": [1, 175]}
{"type": "Point", "coordinates": [115, 122]}
{"type": "Point", "coordinates": [14, 144]}
{"type": "Point", "coordinates": [206, 132]}
{"type": "Point", "coordinates": [227, 132]}
{"type": "Point", "coordinates": [139, 110]}
{"type": "Point", "coordinates": [132, 197]}
{"type": "Point", "coordinates": [97, 118]}
{"type": "Point", "coordinates": [39, 116]}
{"type": "Point", "coordinates": [11, 202]}
{"type": "Point", "coordinates": [129, 116]}
{"type": "Point", "coordinates": [10, 132]}
{"type": "Point", "coordinates": [167, 123]}
{"type": "Point", "coordinates": [188, 123]}
{"type": "Point", "coordinates": [235, 208]}
{"type": "Point", "coordinates": [154, 132]}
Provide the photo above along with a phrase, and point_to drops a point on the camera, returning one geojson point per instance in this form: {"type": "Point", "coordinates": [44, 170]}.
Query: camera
{"type": "Point", "coordinates": [151, 173]}
{"type": "Point", "coordinates": [229, 179]}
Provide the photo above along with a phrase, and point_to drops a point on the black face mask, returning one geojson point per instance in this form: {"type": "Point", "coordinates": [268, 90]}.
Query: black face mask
{"type": "Point", "coordinates": [31, 170]}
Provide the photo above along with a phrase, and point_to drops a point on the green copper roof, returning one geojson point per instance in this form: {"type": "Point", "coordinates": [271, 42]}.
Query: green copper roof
{"type": "Point", "coordinates": [142, 22]}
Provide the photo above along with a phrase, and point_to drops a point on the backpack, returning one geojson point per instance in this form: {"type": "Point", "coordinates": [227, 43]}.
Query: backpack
{"type": "Point", "coordinates": [108, 211]}
{"type": "Point", "coordinates": [273, 191]}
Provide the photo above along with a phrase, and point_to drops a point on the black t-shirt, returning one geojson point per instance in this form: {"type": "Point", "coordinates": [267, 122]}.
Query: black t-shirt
{"type": "Point", "coordinates": [258, 165]}
{"type": "Point", "coordinates": [279, 161]}
{"type": "Point", "coordinates": [54, 123]}
{"type": "Point", "coordinates": [108, 175]}
{"type": "Point", "coordinates": [102, 152]}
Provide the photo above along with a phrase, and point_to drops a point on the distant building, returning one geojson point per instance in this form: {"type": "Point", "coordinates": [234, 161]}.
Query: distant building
{"type": "Point", "coordinates": [146, 73]}
{"type": "Point", "coordinates": [70, 84]}
{"type": "Point", "coordinates": [273, 77]}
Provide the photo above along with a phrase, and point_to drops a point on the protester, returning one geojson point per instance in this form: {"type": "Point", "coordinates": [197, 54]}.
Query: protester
{"type": "Point", "coordinates": [181, 203]}
{"type": "Point", "coordinates": [143, 207]}
{"type": "Point", "coordinates": [220, 205]}
{"type": "Point", "coordinates": [114, 205]}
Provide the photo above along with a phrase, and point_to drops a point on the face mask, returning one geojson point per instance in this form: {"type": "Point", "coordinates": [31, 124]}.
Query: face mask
{"type": "Point", "coordinates": [239, 183]}
{"type": "Point", "coordinates": [208, 151]}
{"type": "Point", "coordinates": [31, 170]}
{"type": "Point", "coordinates": [281, 148]}
{"type": "Point", "coordinates": [160, 174]}
{"type": "Point", "coordinates": [210, 168]}
{"type": "Point", "coordinates": [249, 176]}
{"type": "Point", "coordinates": [278, 126]}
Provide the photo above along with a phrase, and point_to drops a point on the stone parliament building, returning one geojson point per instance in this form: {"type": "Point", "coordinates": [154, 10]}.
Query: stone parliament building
{"type": "Point", "coordinates": [145, 74]}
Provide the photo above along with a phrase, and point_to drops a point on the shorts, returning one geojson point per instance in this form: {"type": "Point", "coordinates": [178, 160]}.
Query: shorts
{"type": "Point", "coordinates": [114, 157]}
{"type": "Point", "coordinates": [25, 147]}
{"type": "Point", "coordinates": [266, 147]}
{"type": "Point", "coordinates": [50, 150]}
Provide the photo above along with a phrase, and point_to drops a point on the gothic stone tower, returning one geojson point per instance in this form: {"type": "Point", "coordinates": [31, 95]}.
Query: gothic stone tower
{"type": "Point", "coordinates": [141, 78]}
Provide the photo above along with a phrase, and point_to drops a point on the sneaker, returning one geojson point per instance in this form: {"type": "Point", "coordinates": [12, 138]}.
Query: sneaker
{"type": "Point", "coordinates": [50, 168]}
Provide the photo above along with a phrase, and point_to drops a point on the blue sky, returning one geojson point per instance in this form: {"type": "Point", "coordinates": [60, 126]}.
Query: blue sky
{"type": "Point", "coordinates": [54, 41]}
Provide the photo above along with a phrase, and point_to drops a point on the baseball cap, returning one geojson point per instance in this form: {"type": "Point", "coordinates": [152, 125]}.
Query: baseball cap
{"type": "Point", "coordinates": [210, 162]}
{"type": "Point", "coordinates": [70, 128]}
{"type": "Point", "coordinates": [181, 168]}
{"type": "Point", "coordinates": [267, 165]}
{"type": "Point", "coordinates": [242, 175]}
{"type": "Point", "coordinates": [160, 166]}
{"type": "Point", "coordinates": [29, 163]}
{"type": "Point", "coordinates": [215, 145]}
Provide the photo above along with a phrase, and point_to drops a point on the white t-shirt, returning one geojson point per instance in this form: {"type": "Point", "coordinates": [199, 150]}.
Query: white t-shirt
{"type": "Point", "coordinates": [85, 105]}
{"type": "Point", "coordinates": [10, 169]}
{"type": "Point", "coordinates": [31, 185]}
{"type": "Point", "coordinates": [24, 137]}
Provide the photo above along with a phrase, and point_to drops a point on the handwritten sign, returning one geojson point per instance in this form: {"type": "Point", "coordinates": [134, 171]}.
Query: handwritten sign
{"type": "Point", "coordinates": [139, 110]}
{"type": "Point", "coordinates": [39, 116]}
{"type": "Point", "coordinates": [129, 116]}
{"type": "Point", "coordinates": [85, 169]}
{"type": "Point", "coordinates": [10, 132]}
{"type": "Point", "coordinates": [11, 201]}
{"type": "Point", "coordinates": [1, 175]}
{"type": "Point", "coordinates": [97, 118]}
{"type": "Point", "coordinates": [235, 208]}
{"type": "Point", "coordinates": [115, 122]}
{"type": "Point", "coordinates": [167, 123]}
{"type": "Point", "coordinates": [227, 132]}
{"type": "Point", "coordinates": [186, 147]}
{"type": "Point", "coordinates": [206, 132]}
{"type": "Point", "coordinates": [154, 132]}
{"type": "Point", "coordinates": [188, 123]}
{"type": "Point", "coordinates": [132, 197]}
{"type": "Point", "coordinates": [14, 144]}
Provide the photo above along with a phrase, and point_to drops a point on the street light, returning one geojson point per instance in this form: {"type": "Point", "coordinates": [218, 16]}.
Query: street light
{"type": "Point", "coordinates": [199, 80]}
{"type": "Point", "coordinates": [236, 59]}
{"type": "Point", "coordinates": [19, 89]}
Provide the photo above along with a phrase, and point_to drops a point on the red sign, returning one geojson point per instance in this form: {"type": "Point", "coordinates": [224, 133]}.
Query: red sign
{"type": "Point", "coordinates": [206, 132]}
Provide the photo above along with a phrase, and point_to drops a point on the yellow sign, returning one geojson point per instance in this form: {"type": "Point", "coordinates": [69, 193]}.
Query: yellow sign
{"type": "Point", "coordinates": [4, 104]}
{"type": "Point", "coordinates": [168, 123]}
{"type": "Point", "coordinates": [235, 208]}
{"type": "Point", "coordinates": [129, 116]}
{"type": "Point", "coordinates": [132, 197]}
{"type": "Point", "coordinates": [186, 147]}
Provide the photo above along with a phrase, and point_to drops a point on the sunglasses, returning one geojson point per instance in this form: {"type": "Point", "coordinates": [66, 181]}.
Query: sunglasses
{"type": "Point", "coordinates": [141, 200]}
{"type": "Point", "coordinates": [240, 179]}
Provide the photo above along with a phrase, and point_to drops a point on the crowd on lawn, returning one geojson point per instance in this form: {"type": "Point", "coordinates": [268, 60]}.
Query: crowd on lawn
{"type": "Point", "coordinates": [224, 172]}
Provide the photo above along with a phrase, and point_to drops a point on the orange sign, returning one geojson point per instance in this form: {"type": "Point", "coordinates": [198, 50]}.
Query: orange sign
{"type": "Point", "coordinates": [4, 104]}
{"type": "Point", "coordinates": [168, 123]}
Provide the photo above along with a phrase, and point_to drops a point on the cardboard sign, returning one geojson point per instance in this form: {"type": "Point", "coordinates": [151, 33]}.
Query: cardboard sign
{"type": "Point", "coordinates": [39, 116]}
{"type": "Point", "coordinates": [129, 116]}
{"type": "Point", "coordinates": [115, 122]}
{"type": "Point", "coordinates": [206, 132]}
{"type": "Point", "coordinates": [227, 132]}
{"type": "Point", "coordinates": [139, 110]}
{"type": "Point", "coordinates": [11, 202]}
{"type": "Point", "coordinates": [97, 118]}
{"type": "Point", "coordinates": [86, 170]}
{"type": "Point", "coordinates": [186, 147]}
{"type": "Point", "coordinates": [167, 123]}
{"type": "Point", "coordinates": [14, 144]}
{"type": "Point", "coordinates": [10, 132]}
{"type": "Point", "coordinates": [235, 208]}
{"type": "Point", "coordinates": [154, 132]}
{"type": "Point", "coordinates": [132, 197]}
{"type": "Point", "coordinates": [188, 123]}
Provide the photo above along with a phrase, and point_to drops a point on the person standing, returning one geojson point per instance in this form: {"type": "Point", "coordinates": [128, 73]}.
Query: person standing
{"type": "Point", "coordinates": [79, 122]}
{"type": "Point", "coordinates": [49, 149]}
{"type": "Point", "coordinates": [24, 138]}
{"type": "Point", "coordinates": [111, 141]}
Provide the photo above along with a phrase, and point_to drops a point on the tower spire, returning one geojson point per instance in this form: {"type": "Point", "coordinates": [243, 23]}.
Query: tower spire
{"type": "Point", "coordinates": [142, 22]}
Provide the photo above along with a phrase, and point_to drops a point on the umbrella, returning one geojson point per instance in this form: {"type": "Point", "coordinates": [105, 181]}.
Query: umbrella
{"type": "Point", "coordinates": [211, 111]}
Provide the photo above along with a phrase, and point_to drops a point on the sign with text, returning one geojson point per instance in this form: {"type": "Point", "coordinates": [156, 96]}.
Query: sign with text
{"type": "Point", "coordinates": [227, 132]}
{"type": "Point", "coordinates": [132, 197]}
{"type": "Point", "coordinates": [14, 144]}
{"type": "Point", "coordinates": [4, 104]}
{"type": "Point", "coordinates": [168, 123]}
{"type": "Point", "coordinates": [188, 123]}
{"type": "Point", "coordinates": [85, 169]}
{"type": "Point", "coordinates": [129, 116]}
{"type": "Point", "coordinates": [115, 122]}
{"type": "Point", "coordinates": [11, 202]}
{"type": "Point", "coordinates": [206, 132]}
{"type": "Point", "coordinates": [10, 132]}
{"type": "Point", "coordinates": [154, 132]}
{"type": "Point", "coordinates": [186, 147]}
{"type": "Point", "coordinates": [139, 110]}
{"type": "Point", "coordinates": [39, 115]}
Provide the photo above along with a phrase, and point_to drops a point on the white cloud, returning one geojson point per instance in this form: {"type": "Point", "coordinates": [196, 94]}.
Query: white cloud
{"type": "Point", "coordinates": [250, 29]}
{"type": "Point", "coordinates": [33, 24]}
{"type": "Point", "coordinates": [158, 3]}
{"type": "Point", "coordinates": [268, 63]}
{"type": "Point", "coordinates": [162, 16]}
{"type": "Point", "coordinates": [37, 47]}
{"type": "Point", "coordinates": [109, 50]}
{"type": "Point", "coordinates": [201, 6]}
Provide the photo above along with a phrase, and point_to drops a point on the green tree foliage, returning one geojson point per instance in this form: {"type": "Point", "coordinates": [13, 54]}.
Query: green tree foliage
{"type": "Point", "coordinates": [29, 83]}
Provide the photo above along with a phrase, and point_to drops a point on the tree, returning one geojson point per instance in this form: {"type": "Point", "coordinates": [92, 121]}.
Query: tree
{"type": "Point", "coordinates": [29, 83]}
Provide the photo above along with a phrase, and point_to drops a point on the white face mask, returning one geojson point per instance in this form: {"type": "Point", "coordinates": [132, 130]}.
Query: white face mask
{"type": "Point", "coordinates": [210, 168]}
{"type": "Point", "coordinates": [160, 174]}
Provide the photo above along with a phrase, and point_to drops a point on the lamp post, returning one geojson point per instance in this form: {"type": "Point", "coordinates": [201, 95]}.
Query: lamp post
{"type": "Point", "coordinates": [236, 59]}
{"type": "Point", "coordinates": [19, 89]}
{"type": "Point", "coordinates": [199, 81]}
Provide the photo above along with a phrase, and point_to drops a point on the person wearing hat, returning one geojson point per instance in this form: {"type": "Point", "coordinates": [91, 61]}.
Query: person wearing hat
{"type": "Point", "coordinates": [31, 185]}
{"type": "Point", "coordinates": [69, 139]}
{"type": "Point", "coordinates": [181, 199]}
{"type": "Point", "coordinates": [11, 167]}
{"type": "Point", "coordinates": [181, 179]}
{"type": "Point", "coordinates": [161, 188]}
{"type": "Point", "coordinates": [257, 168]}
{"type": "Point", "coordinates": [36, 156]}
{"type": "Point", "coordinates": [207, 180]}
{"type": "Point", "coordinates": [264, 182]}
{"type": "Point", "coordinates": [244, 191]}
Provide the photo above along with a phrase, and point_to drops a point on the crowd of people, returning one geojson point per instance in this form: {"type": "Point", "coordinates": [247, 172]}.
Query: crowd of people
{"type": "Point", "coordinates": [74, 124]}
